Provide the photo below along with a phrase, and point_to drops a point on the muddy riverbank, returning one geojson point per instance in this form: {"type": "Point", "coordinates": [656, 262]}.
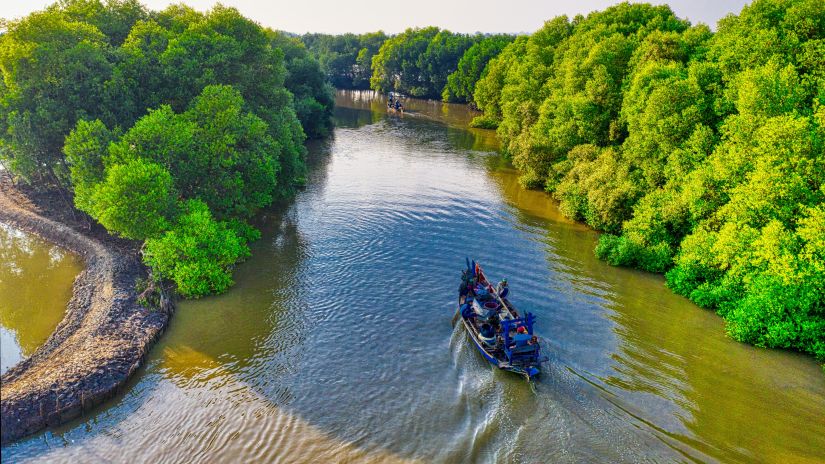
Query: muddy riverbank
{"type": "Point", "coordinates": [105, 334]}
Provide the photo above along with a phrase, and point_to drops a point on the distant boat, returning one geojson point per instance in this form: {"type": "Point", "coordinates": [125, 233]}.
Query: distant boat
{"type": "Point", "coordinates": [503, 337]}
{"type": "Point", "coordinates": [392, 101]}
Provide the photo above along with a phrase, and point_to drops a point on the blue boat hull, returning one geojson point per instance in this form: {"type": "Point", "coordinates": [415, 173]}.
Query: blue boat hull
{"type": "Point", "coordinates": [530, 372]}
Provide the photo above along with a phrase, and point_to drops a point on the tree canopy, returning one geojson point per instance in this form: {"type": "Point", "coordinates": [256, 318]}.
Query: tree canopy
{"type": "Point", "coordinates": [418, 62]}
{"type": "Point", "coordinates": [702, 154]}
{"type": "Point", "coordinates": [469, 69]}
{"type": "Point", "coordinates": [346, 59]}
{"type": "Point", "coordinates": [157, 121]}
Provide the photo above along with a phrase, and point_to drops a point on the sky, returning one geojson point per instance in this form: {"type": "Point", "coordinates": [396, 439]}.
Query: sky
{"type": "Point", "coordinates": [335, 17]}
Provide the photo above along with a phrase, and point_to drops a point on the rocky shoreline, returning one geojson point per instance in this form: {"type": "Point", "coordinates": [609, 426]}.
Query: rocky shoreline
{"type": "Point", "coordinates": [105, 334]}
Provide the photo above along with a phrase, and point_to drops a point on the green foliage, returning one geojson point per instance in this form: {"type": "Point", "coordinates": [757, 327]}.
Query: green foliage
{"type": "Point", "coordinates": [313, 97]}
{"type": "Point", "coordinates": [233, 150]}
{"type": "Point", "coordinates": [462, 82]}
{"type": "Point", "coordinates": [215, 152]}
{"type": "Point", "coordinates": [215, 156]}
{"type": "Point", "coordinates": [86, 147]}
{"type": "Point", "coordinates": [139, 113]}
{"type": "Point", "coordinates": [525, 89]}
{"type": "Point", "coordinates": [197, 253]}
{"type": "Point", "coordinates": [396, 66]}
{"type": "Point", "coordinates": [599, 189]}
{"type": "Point", "coordinates": [484, 122]}
{"type": "Point", "coordinates": [54, 69]}
{"type": "Point", "coordinates": [114, 18]}
{"type": "Point", "coordinates": [488, 89]}
{"type": "Point", "coordinates": [623, 251]}
{"type": "Point", "coordinates": [346, 59]}
{"type": "Point", "coordinates": [418, 61]}
{"type": "Point", "coordinates": [89, 60]}
{"type": "Point", "coordinates": [136, 200]}
{"type": "Point", "coordinates": [702, 154]}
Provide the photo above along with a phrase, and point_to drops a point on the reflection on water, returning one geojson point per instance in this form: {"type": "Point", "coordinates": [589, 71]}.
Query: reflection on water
{"type": "Point", "coordinates": [35, 285]}
{"type": "Point", "coordinates": [336, 343]}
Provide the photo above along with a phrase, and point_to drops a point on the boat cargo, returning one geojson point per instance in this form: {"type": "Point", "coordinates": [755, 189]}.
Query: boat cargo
{"type": "Point", "coordinates": [503, 336]}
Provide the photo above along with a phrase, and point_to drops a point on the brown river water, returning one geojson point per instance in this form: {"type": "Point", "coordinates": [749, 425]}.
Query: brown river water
{"type": "Point", "coordinates": [35, 285]}
{"type": "Point", "coordinates": [336, 343]}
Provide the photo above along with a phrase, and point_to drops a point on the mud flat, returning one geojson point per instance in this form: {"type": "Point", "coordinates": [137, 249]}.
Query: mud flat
{"type": "Point", "coordinates": [105, 334]}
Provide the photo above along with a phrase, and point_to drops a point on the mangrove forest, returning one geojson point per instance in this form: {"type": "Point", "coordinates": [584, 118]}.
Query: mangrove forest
{"type": "Point", "coordinates": [239, 233]}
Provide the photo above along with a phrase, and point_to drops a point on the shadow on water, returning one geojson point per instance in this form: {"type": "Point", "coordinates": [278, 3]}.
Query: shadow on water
{"type": "Point", "coordinates": [336, 344]}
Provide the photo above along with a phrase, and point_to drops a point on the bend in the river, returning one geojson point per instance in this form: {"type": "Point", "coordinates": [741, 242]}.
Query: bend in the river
{"type": "Point", "coordinates": [336, 342]}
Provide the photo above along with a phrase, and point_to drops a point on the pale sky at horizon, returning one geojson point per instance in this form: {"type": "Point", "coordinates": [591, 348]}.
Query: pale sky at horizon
{"type": "Point", "coordinates": [358, 16]}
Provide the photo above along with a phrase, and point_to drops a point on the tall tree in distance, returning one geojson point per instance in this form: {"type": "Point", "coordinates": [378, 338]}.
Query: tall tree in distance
{"type": "Point", "coordinates": [418, 61]}
{"type": "Point", "coordinates": [462, 82]}
{"type": "Point", "coordinates": [346, 59]}
{"type": "Point", "coordinates": [313, 97]}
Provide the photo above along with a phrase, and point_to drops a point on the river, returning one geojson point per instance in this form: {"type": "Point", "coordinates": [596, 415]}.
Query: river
{"type": "Point", "coordinates": [35, 285]}
{"type": "Point", "coordinates": [336, 343]}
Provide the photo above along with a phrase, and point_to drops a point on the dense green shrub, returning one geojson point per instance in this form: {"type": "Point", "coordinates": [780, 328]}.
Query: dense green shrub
{"type": "Point", "coordinates": [161, 121]}
{"type": "Point", "coordinates": [313, 96]}
{"type": "Point", "coordinates": [136, 200]}
{"type": "Point", "coordinates": [197, 253]}
{"type": "Point", "coordinates": [88, 60]}
{"type": "Point", "coordinates": [469, 69]}
{"type": "Point", "coordinates": [487, 93]}
{"type": "Point", "coordinates": [702, 154]}
{"type": "Point", "coordinates": [217, 159]}
{"type": "Point", "coordinates": [484, 122]}
{"type": "Point", "coordinates": [622, 251]}
{"type": "Point", "coordinates": [214, 140]}
{"type": "Point", "coordinates": [54, 69]}
{"type": "Point", "coordinates": [346, 59]}
{"type": "Point", "coordinates": [418, 62]}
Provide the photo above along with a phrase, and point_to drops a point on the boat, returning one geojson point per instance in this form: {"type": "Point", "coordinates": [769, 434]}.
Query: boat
{"type": "Point", "coordinates": [503, 336]}
{"type": "Point", "coordinates": [394, 106]}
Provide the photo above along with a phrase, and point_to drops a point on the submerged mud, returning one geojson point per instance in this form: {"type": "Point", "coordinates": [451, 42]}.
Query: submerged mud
{"type": "Point", "coordinates": [104, 336]}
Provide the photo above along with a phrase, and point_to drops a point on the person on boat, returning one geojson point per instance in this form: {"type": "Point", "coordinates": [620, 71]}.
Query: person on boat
{"type": "Point", "coordinates": [534, 340]}
{"type": "Point", "coordinates": [521, 338]}
{"type": "Point", "coordinates": [480, 290]}
{"type": "Point", "coordinates": [397, 105]}
{"type": "Point", "coordinates": [464, 288]}
{"type": "Point", "coordinates": [502, 289]}
{"type": "Point", "coordinates": [467, 311]}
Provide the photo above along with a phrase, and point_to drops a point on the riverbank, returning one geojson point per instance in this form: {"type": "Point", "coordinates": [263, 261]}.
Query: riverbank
{"type": "Point", "coordinates": [257, 374]}
{"type": "Point", "coordinates": [105, 334]}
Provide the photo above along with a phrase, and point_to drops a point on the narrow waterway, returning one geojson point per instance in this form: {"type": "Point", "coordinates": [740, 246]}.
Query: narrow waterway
{"type": "Point", "coordinates": [336, 344]}
{"type": "Point", "coordinates": [35, 285]}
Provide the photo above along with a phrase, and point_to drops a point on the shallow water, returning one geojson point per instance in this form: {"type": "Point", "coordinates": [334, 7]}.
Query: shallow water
{"type": "Point", "coordinates": [336, 344]}
{"type": "Point", "coordinates": [35, 285]}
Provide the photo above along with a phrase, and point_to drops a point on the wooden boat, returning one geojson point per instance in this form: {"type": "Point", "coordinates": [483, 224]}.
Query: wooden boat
{"type": "Point", "coordinates": [394, 98]}
{"type": "Point", "coordinates": [393, 109]}
{"type": "Point", "coordinates": [501, 334]}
